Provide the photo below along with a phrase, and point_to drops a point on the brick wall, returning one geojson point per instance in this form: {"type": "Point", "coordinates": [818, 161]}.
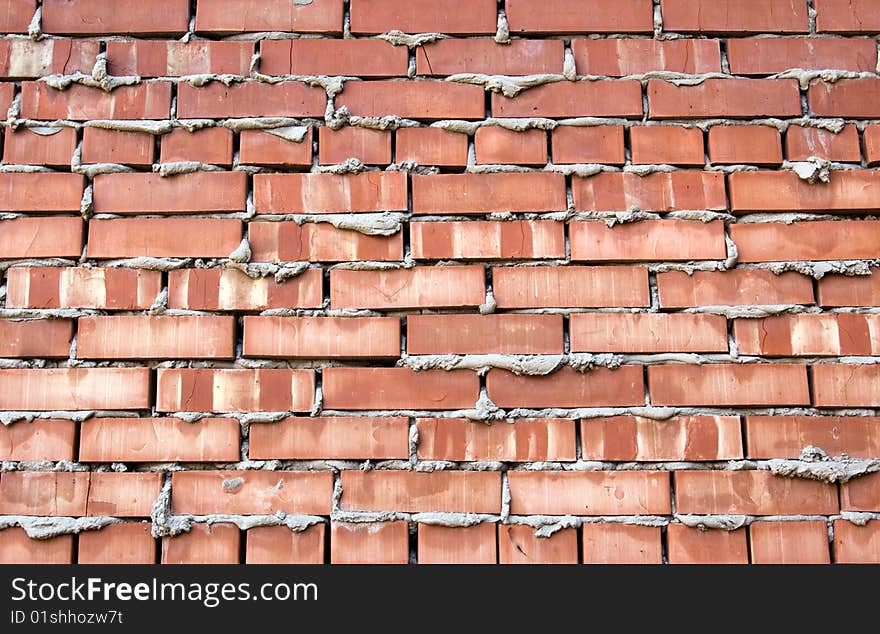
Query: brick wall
{"type": "Point", "coordinates": [440, 281]}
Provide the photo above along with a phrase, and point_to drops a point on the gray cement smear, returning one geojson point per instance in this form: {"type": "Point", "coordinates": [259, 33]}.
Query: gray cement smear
{"type": "Point", "coordinates": [35, 31]}
{"type": "Point", "coordinates": [813, 170]}
{"type": "Point", "coordinates": [99, 78]}
{"type": "Point", "coordinates": [349, 166]}
{"type": "Point", "coordinates": [828, 75]}
{"type": "Point", "coordinates": [166, 170]}
{"type": "Point", "coordinates": [818, 270]}
{"type": "Point", "coordinates": [815, 464]}
{"type": "Point", "coordinates": [410, 40]}
{"type": "Point", "coordinates": [713, 522]}
{"type": "Point", "coordinates": [502, 32]}
{"type": "Point", "coordinates": [48, 527]}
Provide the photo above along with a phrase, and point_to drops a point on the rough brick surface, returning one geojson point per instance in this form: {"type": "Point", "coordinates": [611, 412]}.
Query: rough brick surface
{"type": "Point", "coordinates": [607, 261]}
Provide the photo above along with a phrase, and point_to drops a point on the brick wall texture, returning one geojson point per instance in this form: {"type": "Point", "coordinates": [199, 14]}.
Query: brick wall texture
{"type": "Point", "coordinates": [440, 281]}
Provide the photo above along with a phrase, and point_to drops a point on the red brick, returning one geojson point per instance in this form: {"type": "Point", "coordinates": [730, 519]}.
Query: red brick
{"type": "Point", "coordinates": [734, 16]}
{"type": "Point", "coordinates": [76, 287]}
{"type": "Point", "coordinates": [250, 99]}
{"type": "Point", "coordinates": [149, 100]}
{"type": "Point", "coordinates": [448, 545]}
{"type": "Point", "coordinates": [615, 57]}
{"type": "Point", "coordinates": [622, 544]}
{"type": "Point", "coordinates": [159, 440]}
{"type": "Point", "coordinates": [201, 192]}
{"type": "Point", "coordinates": [420, 492]}
{"type": "Point", "coordinates": [398, 388]}
{"type": "Point", "coordinates": [591, 144]}
{"type": "Point", "coordinates": [847, 191]}
{"type": "Point", "coordinates": [331, 438]}
{"type": "Point", "coordinates": [517, 544]}
{"type": "Point", "coordinates": [280, 545]}
{"type": "Point", "coordinates": [218, 289]}
{"type": "Point", "coordinates": [466, 17]}
{"type": "Point", "coordinates": [872, 144]}
{"type": "Point", "coordinates": [372, 147]}
{"type": "Point", "coordinates": [120, 544]}
{"type": "Point", "coordinates": [674, 145]}
{"type": "Point", "coordinates": [163, 237]}
{"type": "Point", "coordinates": [147, 337]}
{"type": "Point", "coordinates": [259, 147]}
{"type": "Point", "coordinates": [369, 543]}
{"type": "Point", "coordinates": [751, 493]}
{"type": "Point", "coordinates": [647, 332]}
{"type": "Point", "coordinates": [216, 544]}
{"type": "Point", "coordinates": [330, 193]}
{"type": "Point", "coordinates": [519, 57]}
{"type": "Point", "coordinates": [210, 145]}
{"type": "Point", "coordinates": [789, 542]}
{"type": "Point", "coordinates": [44, 493]}
{"type": "Point", "coordinates": [206, 390]}
{"type": "Point", "coordinates": [251, 492]}
{"type": "Point", "coordinates": [856, 544]}
{"type": "Point", "coordinates": [754, 144]}
{"type": "Point", "coordinates": [736, 287]}
{"type": "Point", "coordinates": [238, 16]}
{"type": "Point", "coordinates": [842, 290]}
{"type": "Point", "coordinates": [570, 286]}
{"type": "Point", "coordinates": [114, 146]}
{"type": "Point", "coordinates": [484, 193]}
{"type": "Point", "coordinates": [36, 338]}
{"type": "Point", "coordinates": [358, 58]}
{"type": "Point", "coordinates": [786, 436]}
{"type": "Point", "coordinates": [647, 241]}
{"type": "Point", "coordinates": [660, 191]}
{"type": "Point", "coordinates": [398, 289]}
{"type": "Point", "coordinates": [41, 237]}
{"type": "Point", "coordinates": [124, 17]}
{"type": "Point", "coordinates": [589, 492]}
{"type": "Point", "coordinates": [321, 337]}
{"type": "Point", "coordinates": [154, 58]}
{"type": "Point", "coordinates": [743, 98]}
{"type": "Point", "coordinates": [484, 334]}
{"type": "Point", "coordinates": [6, 92]}
{"type": "Point", "coordinates": [496, 145]}
{"type": "Point", "coordinates": [802, 143]}
{"type": "Point", "coordinates": [70, 389]}
{"type": "Point", "coordinates": [687, 545]}
{"type": "Point", "coordinates": [27, 59]}
{"type": "Point", "coordinates": [487, 240]}
{"type": "Point", "coordinates": [432, 146]}
{"type": "Point", "coordinates": [809, 335]}
{"type": "Point", "coordinates": [604, 98]}
{"type": "Point", "coordinates": [462, 440]}
{"type": "Point", "coordinates": [580, 16]}
{"type": "Point", "coordinates": [17, 548]}
{"type": "Point", "coordinates": [765, 56]}
{"type": "Point", "coordinates": [850, 98]}
{"type": "Point", "coordinates": [319, 242]}
{"type": "Point", "coordinates": [41, 439]}
{"type": "Point", "coordinates": [861, 494]}
{"type": "Point", "coordinates": [123, 494]}
{"type": "Point", "coordinates": [847, 16]}
{"type": "Point", "coordinates": [56, 192]}
{"type": "Point", "coordinates": [15, 15]}
{"type": "Point", "coordinates": [846, 385]}
{"type": "Point", "coordinates": [568, 388]}
{"type": "Point", "coordinates": [413, 100]}
{"type": "Point", "coordinates": [632, 438]}
{"type": "Point", "coordinates": [26, 147]}
{"type": "Point", "coordinates": [729, 385]}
